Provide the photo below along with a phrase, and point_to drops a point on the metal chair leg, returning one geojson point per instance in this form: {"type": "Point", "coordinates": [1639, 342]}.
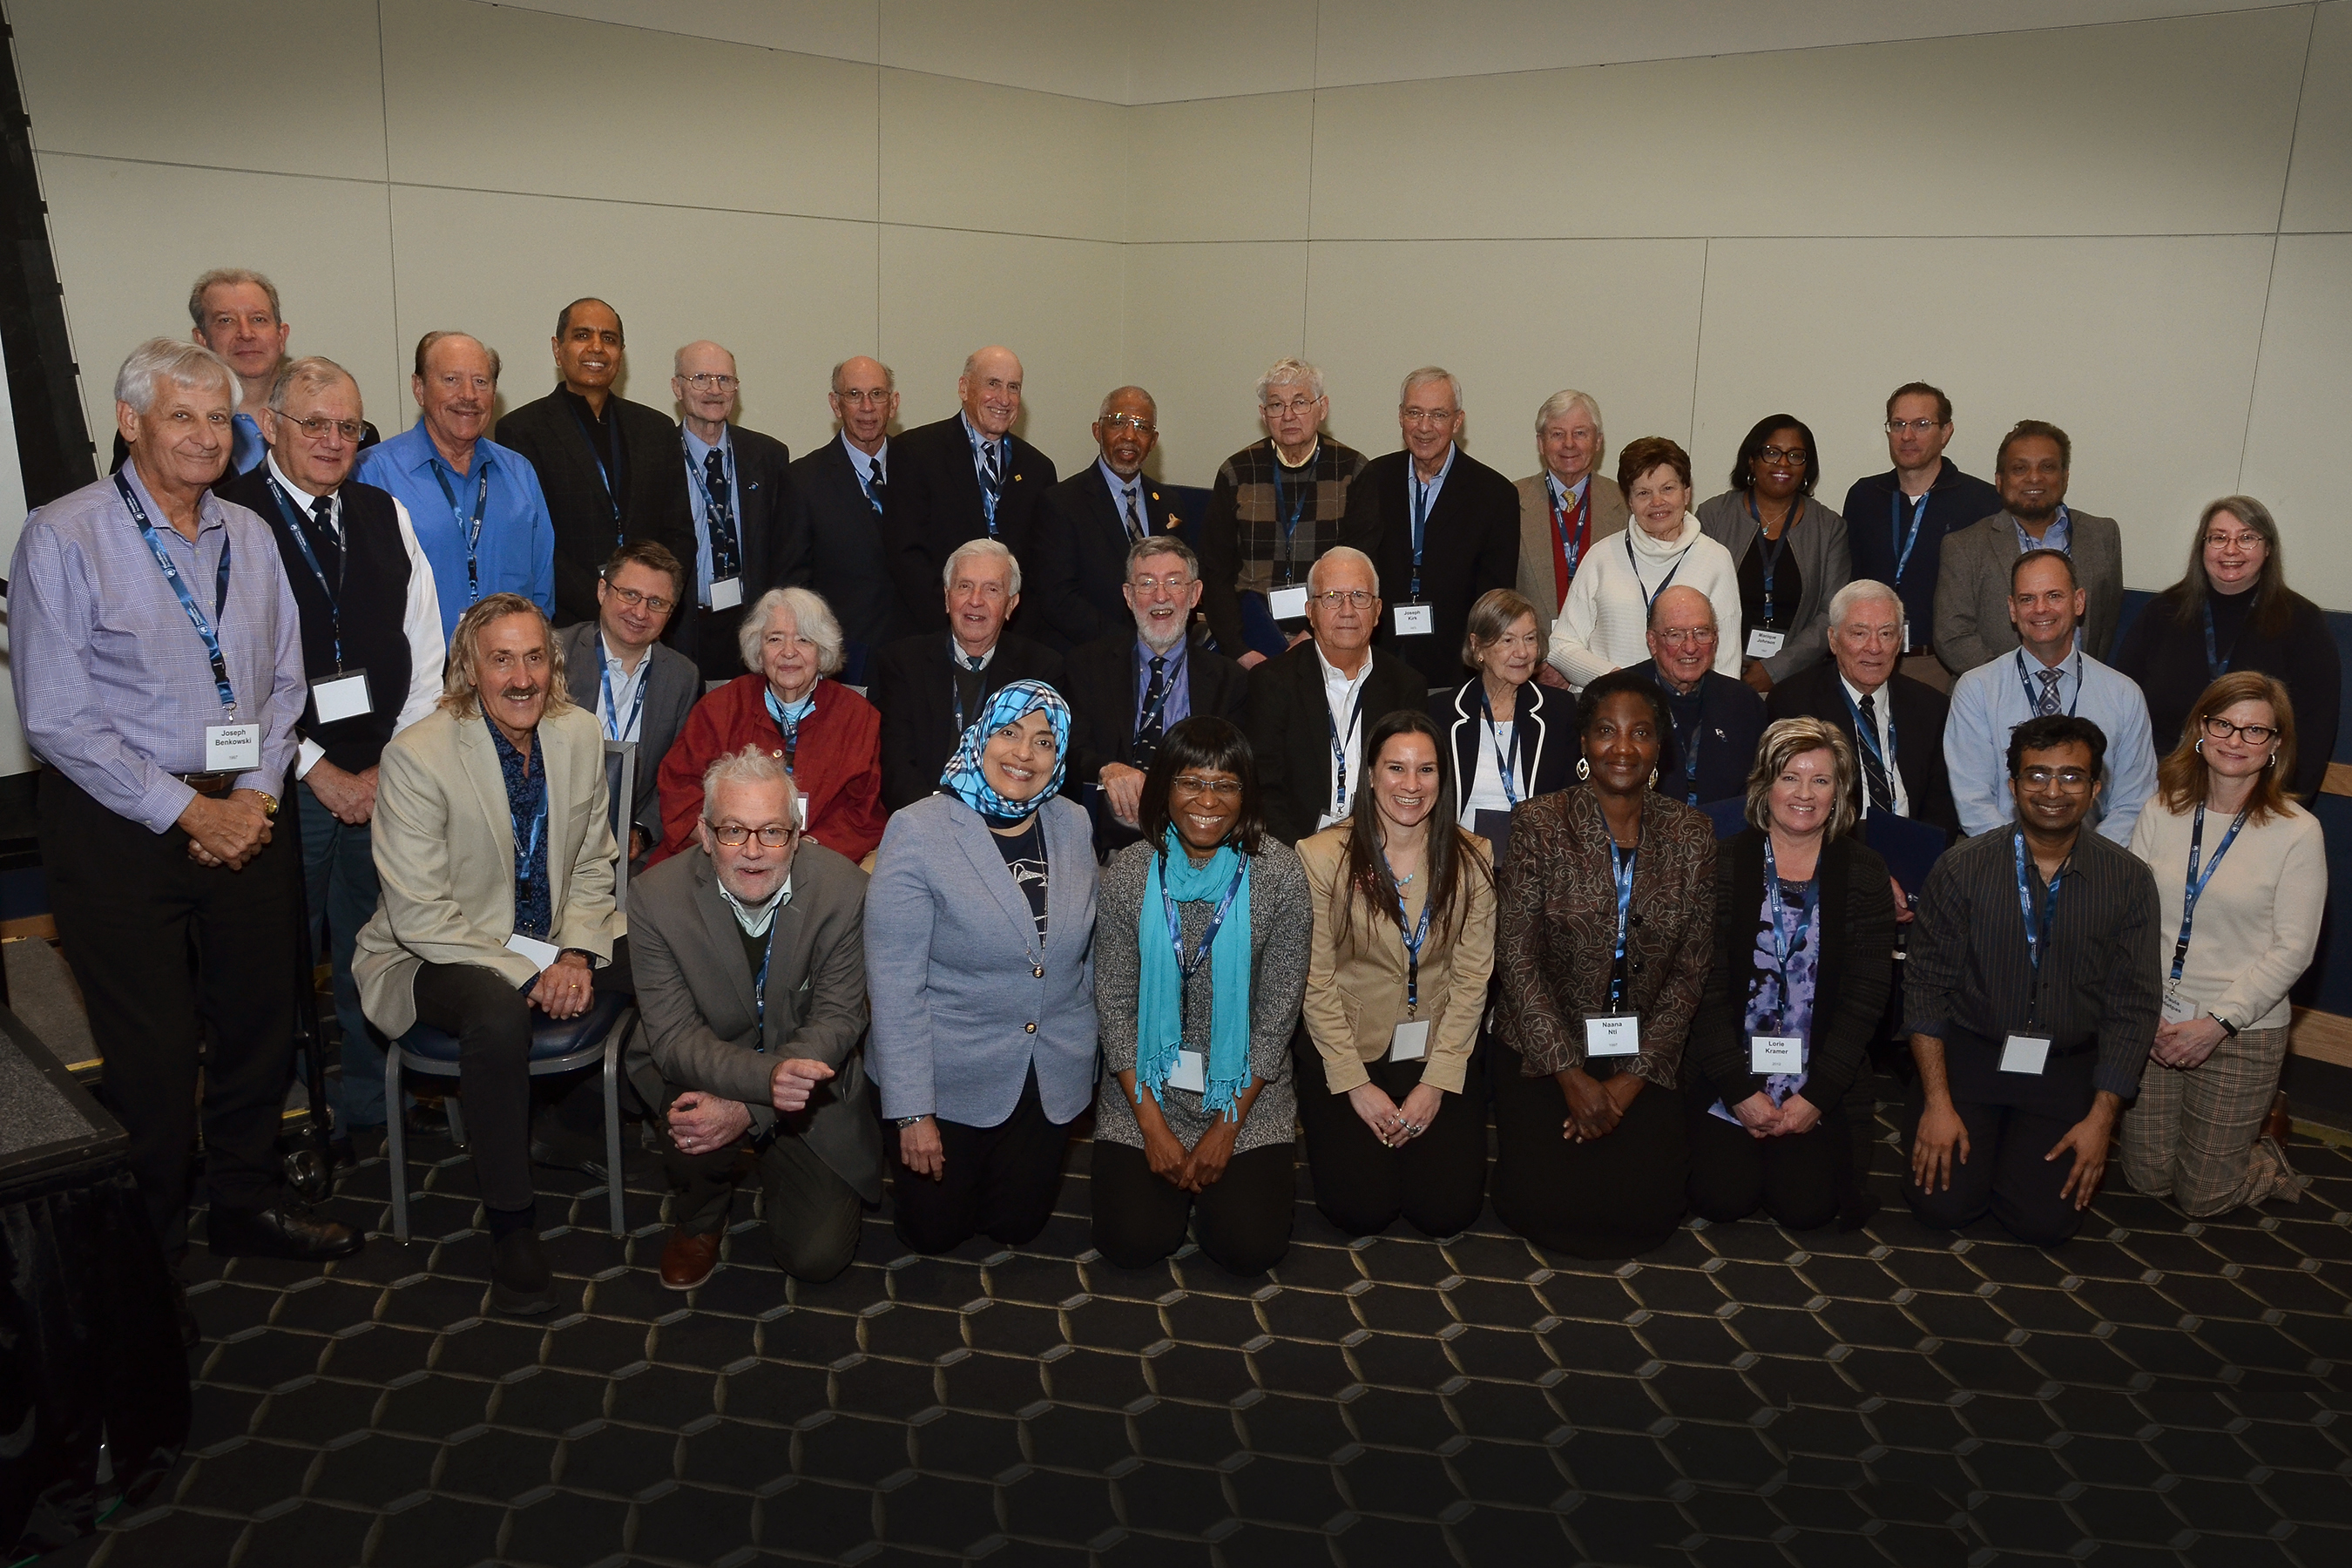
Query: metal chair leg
{"type": "Point", "coordinates": [457, 1121]}
{"type": "Point", "coordinates": [396, 1134]}
{"type": "Point", "coordinates": [613, 1045]}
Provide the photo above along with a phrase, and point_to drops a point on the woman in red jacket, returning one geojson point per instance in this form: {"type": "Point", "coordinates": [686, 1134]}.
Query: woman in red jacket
{"type": "Point", "coordinates": [829, 737]}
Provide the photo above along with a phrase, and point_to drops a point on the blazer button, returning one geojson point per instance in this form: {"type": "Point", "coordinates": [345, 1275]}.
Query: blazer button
{"type": "Point", "coordinates": [1031, 1028]}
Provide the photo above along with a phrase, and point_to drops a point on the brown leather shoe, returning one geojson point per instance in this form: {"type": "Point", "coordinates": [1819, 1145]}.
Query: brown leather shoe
{"type": "Point", "coordinates": [687, 1260]}
{"type": "Point", "coordinates": [2278, 1125]}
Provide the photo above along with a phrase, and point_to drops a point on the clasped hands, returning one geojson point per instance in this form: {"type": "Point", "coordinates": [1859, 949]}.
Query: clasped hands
{"type": "Point", "coordinates": [1595, 1106]}
{"type": "Point", "coordinates": [229, 830]}
{"type": "Point", "coordinates": [1764, 1119]}
{"type": "Point", "coordinates": [1396, 1125]}
{"type": "Point", "coordinates": [699, 1123]}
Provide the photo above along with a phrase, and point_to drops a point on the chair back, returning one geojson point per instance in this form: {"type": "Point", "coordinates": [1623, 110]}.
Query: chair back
{"type": "Point", "coordinates": [620, 800]}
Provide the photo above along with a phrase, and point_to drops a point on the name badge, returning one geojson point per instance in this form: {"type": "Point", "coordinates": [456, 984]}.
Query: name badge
{"type": "Point", "coordinates": [1410, 1041]}
{"type": "Point", "coordinates": [232, 748]}
{"type": "Point", "coordinates": [1762, 644]}
{"type": "Point", "coordinates": [1415, 620]}
{"type": "Point", "coordinates": [726, 593]}
{"type": "Point", "coordinates": [342, 695]}
{"type": "Point", "coordinates": [1908, 644]}
{"type": "Point", "coordinates": [1776, 1053]}
{"type": "Point", "coordinates": [1191, 1072]}
{"type": "Point", "coordinates": [1287, 604]}
{"type": "Point", "coordinates": [541, 953]}
{"type": "Point", "coordinates": [2027, 1054]}
{"type": "Point", "coordinates": [800, 810]}
{"type": "Point", "coordinates": [1612, 1033]}
{"type": "Point", "coordinates": [2177, 1009]}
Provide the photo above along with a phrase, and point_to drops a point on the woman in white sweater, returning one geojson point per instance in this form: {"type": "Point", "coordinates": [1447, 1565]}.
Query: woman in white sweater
{"type": "Point", "coordinates": [1604, 623]}
{"type": "Point", "coordinates": [2229, 845]}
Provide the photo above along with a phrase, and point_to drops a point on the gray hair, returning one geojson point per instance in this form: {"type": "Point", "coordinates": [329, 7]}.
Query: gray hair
{"type": "Point", "coordinates": [995, 550]}
{"type": "Point", "coordinates": [1560, 403]}
{"type": "Point", "coordinates": [1113, 395]}
{"type": "Point", "coordinates": [228, 278]}
{"type": "Point", "coordinates": [186, 365]}
{"type": "Point", "coordinates": [314, 373]}
{"type": "Point", "coordinates": [1860, 591]}
{"type": "Point", "coordinates": [1343, 552]}
{"type": "Point", "coordinates": [752, 765]}
{"type": "Point", "coordinates": [889, 376]}
{"type": "Point", "coordinates": [1430, 373]}
{"type": "Point", "coordinates": [1152, 544]}
{"type": "Point", "coordinates": [1290, 372]}
{"type": "Point", "coordinates": [812, 618]}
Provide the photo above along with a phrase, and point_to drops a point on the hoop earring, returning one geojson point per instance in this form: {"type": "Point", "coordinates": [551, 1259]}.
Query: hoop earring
{"type": "Point", "coordinates": [2200, 745]}
{"type": "Point", "coordinates": [2273, 762]}
{"type": "Point", "coordinates": [1583, 767]}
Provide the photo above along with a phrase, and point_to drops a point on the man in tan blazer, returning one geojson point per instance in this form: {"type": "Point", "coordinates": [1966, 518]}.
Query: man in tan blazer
{"type": "Point", "coordinates": [1566, 510]}
{"type": "Point", "coordinates": [495, 849]}
{"type": "Point", "coordinates": [750, 960]}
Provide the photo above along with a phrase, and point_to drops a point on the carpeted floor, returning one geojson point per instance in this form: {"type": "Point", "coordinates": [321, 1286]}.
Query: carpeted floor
{"type": "Point", "coordinates": [2157, 1392]}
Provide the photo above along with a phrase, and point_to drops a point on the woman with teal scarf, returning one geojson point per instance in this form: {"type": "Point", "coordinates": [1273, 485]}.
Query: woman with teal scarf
{"type": "Point", "coordinates": [1203, 933]}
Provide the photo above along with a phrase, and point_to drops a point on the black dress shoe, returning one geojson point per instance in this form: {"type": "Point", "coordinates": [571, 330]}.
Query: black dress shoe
{"type": "Point", "coordinates": [288, 1230]}
{"type": "Point", "coordinates": [191, 1333]}
{"type": "Point", "coordinates": [428, 1122]}
{"type": "Point", "coordinates": [556, 1157]}
{"type": "Point", "coordinates": [519, 1282]}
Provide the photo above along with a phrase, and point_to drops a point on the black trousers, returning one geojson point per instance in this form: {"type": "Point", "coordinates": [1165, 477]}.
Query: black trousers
{"type": "Point", "coordinates": [812, 1214]}
{"type": "Point", "coordinates": [162, 949]}
{"type": "Point", "coordinates": [2004, 1175]}
{"type": "Point", "coordinates": [1242, 1218]}
{"type": "Point", "coordinates": [999, 1181]}
{"type": "Point", "coordinates": [1800, 1179]}
{"type": "Point", "coordinates": [1615, 1198]}
{"type": "Point", "coordinates": [1437, 1182]}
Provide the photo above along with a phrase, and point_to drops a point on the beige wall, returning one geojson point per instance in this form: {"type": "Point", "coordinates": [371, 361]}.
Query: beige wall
{"type": "Point", "coordinates": [2137, 224]}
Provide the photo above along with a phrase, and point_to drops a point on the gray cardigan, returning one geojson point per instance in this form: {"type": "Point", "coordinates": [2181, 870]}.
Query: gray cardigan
{"type": "Point", "coordinates": [959, 1019]}
{"type": "Point", "coordinates": [1973, 624]}
{"type": "Point", "coordinates": [1282, 926]}
{"type": "Point", "coordinates": [1822, 561]}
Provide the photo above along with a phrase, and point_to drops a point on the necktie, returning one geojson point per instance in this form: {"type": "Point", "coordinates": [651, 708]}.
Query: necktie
{"type": "Point", "coordinates": [992, 488]}
{"type": "Point", "coordinates": [1134, 523]}
{"type": "Point", "coordinates": [874, 489]}
{"type": "Point", "coordinates": [247, 448]}
{"type": "Point", "coordinates": [1155, 698]}
{"type": "Point", "coordinates": [2049, 702]}
{"type": "Point", "coordinates": [331, 544]}
{"type": "Point", "coordinates": [723, 547]}
{"type": "Point", "coordinates": [1876, 786]}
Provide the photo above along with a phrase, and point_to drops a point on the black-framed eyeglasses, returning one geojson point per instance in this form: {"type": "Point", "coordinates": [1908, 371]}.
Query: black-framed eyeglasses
{"type": "Point", "coordinates": [2219, 729]}
{"type": "Point", "coordinates": [317, 428]}
{"type": "Point", "coordinates": [1795, 456]}
{"type": "Point", "coordinates": [734, 835]}
{"type": "Point", "coordinates": [632, 598]}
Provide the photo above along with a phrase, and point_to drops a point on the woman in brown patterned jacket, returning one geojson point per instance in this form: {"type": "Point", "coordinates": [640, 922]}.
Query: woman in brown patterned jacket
{"type": "Point", "coordinates": [1604, 928]}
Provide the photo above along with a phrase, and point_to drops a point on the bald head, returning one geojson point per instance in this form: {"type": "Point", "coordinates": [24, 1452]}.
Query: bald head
{"type": "Point", "coordinates": [1683, 636]}
{"type": "Point", "coordinates": [990, 390]}
{"type": "Point", "coordinates": [865, 398]}
{"type": "Point", "coordinates": [702, 379]}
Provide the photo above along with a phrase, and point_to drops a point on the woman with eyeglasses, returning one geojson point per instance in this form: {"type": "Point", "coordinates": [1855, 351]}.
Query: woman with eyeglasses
{"type": "Point", "coordinates": [827, 736]}
{"type": "Point", "coordinates": [1203, 932]}
{"type": "Point", "coordinates": [1792, 550]}
{"type": "Point", "coordinates": [2242, 871]}
{"type": "Point", "coordinates": [1604, 623]}
{"type": "Point", "coordinates": [1605, 928]}
{"type": "Point", "coordinates": [1508, 735]}
{"type": "Point", "coordinates": [1390, 1090]}
{"type": "Point", "coordinates": [980, 924]}
{"type": "Point", "coordinates": [2231, 611]}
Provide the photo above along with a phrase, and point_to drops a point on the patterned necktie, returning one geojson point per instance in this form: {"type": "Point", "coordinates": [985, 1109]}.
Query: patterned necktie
{"type": "Point", "coordinates": [874, 489]}
{"type": "Point", "coordinates": [724, 550]}
{"type": "Point", "coordinates": [331, 544]}
{"type": "Point", "coordinates": [1135, 529]}
{"type": "Point", "coordinates": [2048, 705]}
{"type": "Point", "coordinates": [991, 488]}
{"type": "Point", "coordinates": [1876, 786]}
{"type": "Point", "coordinates": [1155, 699]}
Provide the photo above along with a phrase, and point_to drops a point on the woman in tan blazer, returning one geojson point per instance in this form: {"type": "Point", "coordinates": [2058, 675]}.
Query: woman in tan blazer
{"type": "Point", "coordinates": [1390, 1094]}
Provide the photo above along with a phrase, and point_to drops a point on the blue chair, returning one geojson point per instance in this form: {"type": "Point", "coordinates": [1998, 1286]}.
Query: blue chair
{"type": "Point", "coordinates": [598, 1037]}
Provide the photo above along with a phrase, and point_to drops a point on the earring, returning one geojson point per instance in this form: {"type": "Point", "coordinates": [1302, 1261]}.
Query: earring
{"type": "Point", "coordinates": [2200, 745]}
{"type": "Point", "coordinates": [1653, 778]}
{"type": "Point", "coordinates": [1583, 767]}
{"type": "Point", "coordinates": [2273, 762]}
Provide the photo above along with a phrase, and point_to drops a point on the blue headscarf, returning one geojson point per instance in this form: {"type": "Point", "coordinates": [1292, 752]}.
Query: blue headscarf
{"type": "Point", "coordinates": [962, 777]}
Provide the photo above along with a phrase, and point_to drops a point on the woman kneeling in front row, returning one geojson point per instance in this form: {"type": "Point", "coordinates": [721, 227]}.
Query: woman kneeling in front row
{"type": "Point", "coordinates": [1200, 959]}
{"type": "Point", "coordinates": [1804, 940]}
{"type": "Point", "coordinates": [1404, 942]}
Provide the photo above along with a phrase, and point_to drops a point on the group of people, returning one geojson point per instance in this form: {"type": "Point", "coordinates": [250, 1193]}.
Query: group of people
{"type": "Point", "coordinates": [970, 800]}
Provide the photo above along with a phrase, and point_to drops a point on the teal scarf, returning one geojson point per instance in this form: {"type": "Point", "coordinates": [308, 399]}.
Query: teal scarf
{"type": "Point", "coordinates": [1159, 1000]}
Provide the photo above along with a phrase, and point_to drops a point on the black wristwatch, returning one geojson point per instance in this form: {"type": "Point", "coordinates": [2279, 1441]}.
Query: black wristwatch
{"type": "Point", "coordinates": [905, 1121]}
{"type": "Point", "coordinates": [2228, 1029]}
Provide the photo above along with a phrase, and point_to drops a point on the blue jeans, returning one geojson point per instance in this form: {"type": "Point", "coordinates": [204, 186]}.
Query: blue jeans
{"type": "Point", "coordinates": [340, 886]}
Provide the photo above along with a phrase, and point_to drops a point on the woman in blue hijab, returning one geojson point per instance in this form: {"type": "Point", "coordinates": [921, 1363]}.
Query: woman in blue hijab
{"type": "Point", "coordinates": [979, 971]}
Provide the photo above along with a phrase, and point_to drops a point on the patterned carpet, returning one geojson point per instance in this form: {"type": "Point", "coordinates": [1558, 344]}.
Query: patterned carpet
{"type": "Point", "coordinates": [2156, 1393]}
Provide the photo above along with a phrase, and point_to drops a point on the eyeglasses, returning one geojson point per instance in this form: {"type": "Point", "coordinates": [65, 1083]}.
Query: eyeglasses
{"type": "Point", "coordinates": [1354, 598]}
{"type": "Point", "coordinates": [632, 598]}
{"type": "Point", "coordinates": [1223, 789]}
{"type": "Point", "coordinates": [2245, 541]}
{"type": "Point", "coordinates": [317, 428]}
{"type": "Point", "coordinates": [1675, 637]}
{"type": "Point", "coordinates": [2219, 729]}
{"type": "Point", "coordinates": [875, 398]}
{"type": "Point", "coordinates": [707, 382]}
{"type": "Point", "coordinates": [2068, 779]}
{"type": "Point", "coordinates": [1794, 456]}
{"type": "Point", "coordinates": [1175, 582]}
{"type": "Point", "coordinates": [1430, 416]}
{"type": "Point", "coordinates": [1295, 405]}
{"type": "Point", "coordinates": [1140, 426]}
{"type": "Point", "coordinates": [1896, 426]}
{"type": "Point", "coordinates": [734, 835]}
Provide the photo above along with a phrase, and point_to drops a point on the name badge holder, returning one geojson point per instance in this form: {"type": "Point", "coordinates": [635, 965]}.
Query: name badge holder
{"type": "Point", "coordinates": [1616, 1033]}
{"type": "Point", "coordinates": [2027, 1051]}
{"type": "Point", "coordinates": [1612, 1033]}
{"type": "Point", "coordinates": [1762, 644]}
{"type": "Point", "coordinates": [1410, 1043]}
{"type": "Point", "coordinates": [2177, 1009]}
{"type": "Point", "coordinates": [1773, 1056]}
{"type": "Point", "coordinates": [342, 695]}
{"type": "Point", "coordinates": [1415, 620]}
{"type": "Point", "coordinates": [1287, 604]}
{"type": "Point", "coordinates": [726, 593]}
{"type": "Point", "coordinates": [1191, 1072]}
{"type": "Point", "coordinates": [541, 953]}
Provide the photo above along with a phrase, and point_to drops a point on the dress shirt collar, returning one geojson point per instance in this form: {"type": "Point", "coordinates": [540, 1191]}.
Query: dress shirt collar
{"type": "Point", "coordinates": [2058, 536]}
{"type": "Point", "coordinates": [1854, 694]}
{"type": "Point", "coordinates": [962, 660]}
{"type": "Point", "coordinates": [1563, 496]}
{"type": "Point", "coordinates": [424, 456]}
{"type": "Point", "coordinates": [864, 464]}
{"type": "Point", "coordinates": [302, 497]}
{"type": "Point", "coordinates": [697, 450]}
{"type": "Point", "coordinates": [1121, 489]}
{"type": "Point", "coordinates": [596, 422]}
{"type": "Point", "coordinates": [1415, 481]}
{"type": "Point", "coordinates": [755, 918]}
{"type": "Point", "coordinates": [210, 514]}
{"type": "Point", "coordinates": [1313, 452]}
{"type": "Point", "coordinates": [1333, 678]}
{"type": "Point", "coordinates": [971, 434]}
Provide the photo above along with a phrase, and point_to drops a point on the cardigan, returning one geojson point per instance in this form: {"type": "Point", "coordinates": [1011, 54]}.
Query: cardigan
{"type": "Point", "coordinates": [836, 766]}
{"type": "Point", "coordinates": [1822, 562]}
{"type": "Point", "coordinates": [1241, 545]}
{"type": "Point", "coordinates": [1855, 926]}
{"type": "Point", "coordinates": [1604, 623]}
{"type": "Point", "coordinates": [2167, 661]}
{"type": "Point", "coordinates": [2257, 921]}
{"type": "Point", "coordinates": [1556, 923]}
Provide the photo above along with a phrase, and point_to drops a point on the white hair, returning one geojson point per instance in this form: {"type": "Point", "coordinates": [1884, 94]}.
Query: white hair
{"type": "Point", "coordinates": [1343, 552]}
{"type": "Point", "coordinates": [1559, 403]}
{"type": "Point", "coordinates": [812, 618]}
{"type": "Point", "coordinates": [1290, 372]}
{"type": "Point", "coordinates": [752, 765]}
{"type": "Point", "coordinates": [1429, 372]}
{"type": "Point", "coordinates": [1860, 591]}
{"type": "Point", "coordinates": [995, 550]}
{"type": "Point", "coordinates": [189, 365]}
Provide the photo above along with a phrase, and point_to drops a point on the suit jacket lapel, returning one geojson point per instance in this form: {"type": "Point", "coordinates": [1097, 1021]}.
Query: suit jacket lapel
{"type": "Point", "coordinates": [579, 663]}
{"type": "Point", "coordinates": [718, 925]}
{"type": "Point", "coordinates": [988, 865]}
{"type": "Point", "coordinates": [481, 764]}
{"type": "Point", "coordinates": [1531, 736]}
{"type": "Point", "coordinates": [1062, 909]}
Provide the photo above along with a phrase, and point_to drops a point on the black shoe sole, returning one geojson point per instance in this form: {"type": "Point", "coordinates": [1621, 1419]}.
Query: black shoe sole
{"type": "Point", "coordinates": [515, 1304]}
{"type": "Point", "coordinates": [289, 1254]}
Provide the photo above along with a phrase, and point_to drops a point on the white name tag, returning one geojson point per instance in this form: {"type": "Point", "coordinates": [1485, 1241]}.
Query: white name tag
{"type": "Point", "coordinates": [1410, 1041]}
{"type": "Point", "coordinates": [800, 810]}
{"type": "Point", "coordinates": [2177, 1009]}
{"type": "Point", "coordinates": [726, 593]}
{"type": "Point", "coordinates": [1612, 1033]}
{"type": "Point", "coordinates": [542, 953]}
{"type": "Point", "coordinates": [1287, 604]}
{"type": "Point", "coordinates": [1191, 1072]}
{"type": "Point", "coordinates": [2027, 1054]}
{"type": "Point", "coordinates": [1908, 644]}
{"type": "Point", "coordinates": [1776, 1053]}
{"type": "Point", "coordinates": [1762, 644]}
{"type": "Point", "coordinates": [1415, 620]}
{"type": "Point", "coordinates": [232, 748]}
{"type": "Point", "coordinates": [341, 696]}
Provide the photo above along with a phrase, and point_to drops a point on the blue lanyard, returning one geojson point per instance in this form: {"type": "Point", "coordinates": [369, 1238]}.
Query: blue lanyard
{"type": "Point", "coordinates": [1689, 750]}
{"type": "Point", "coordinates": [471, 535]}
{"type": "Point", "coordinates": [1419, 522]}
{"type": "Point", "coordinates": [2194, 889]}
{"type": "Point", "coordinates": [1649, 596]}
{"type": "Point", "coordinates": [1621, 865]}
{"type": "Point", "coordinates": [1771, 548]}
{"type": "Point", "coordinates": [1416, 936]}
{"type": "Point", "coordinates": [1571, 545]}
{"type": "Point", "coordinates": [2033, 703]}
{"type": "Point", "coordinates": [1288, 522]}
{"type": "Point", "coordinates": [1185, 969]}
{"type": "Point", "coordinates": [1784, 946]}
{"type": "Point", "coordinates": [614, 730]}
{"type": "Point", "coordinates": [1168, 675]}
{"type": "Point", "coordinates": [1900, 542]}
{"type": "Point", "coordinates": [2216, 667]}
{"type": "Point", "coordinates": [991, 485]}
{"type": "Point", "coordinates": [718, 509]}
{"type": "Point", "coordinates": [2033, 943]}
{"type": "Point", "coordinates": [612, 491]}
{"type": "Point", "coordinates": [295, 517]}
{"type": "Point", "coordinates": [526, 853]}
{"type": "Point", "coordinates": [760, 982]}
{"type": "Point", "coordinates": [788, 723]}
{"type": "Point", "coordinates": [197, 616]}
{"type": "Point", "coordinates": [955, 682]}
{"type": "Point", "coordinates": [1870, 741]}
{"type": "Point", "coordinates": [1339, 750]}
{"type": "Point", "coordinates": [867, 479]}
{"type": "Point", "coordinates": [1502, 748]}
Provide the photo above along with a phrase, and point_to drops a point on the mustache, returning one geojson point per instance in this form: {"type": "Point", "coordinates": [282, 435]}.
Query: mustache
{"type": "Point", "coordinates": [521, 693]}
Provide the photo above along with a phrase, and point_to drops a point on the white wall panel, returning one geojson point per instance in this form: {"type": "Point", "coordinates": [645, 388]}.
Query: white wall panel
{"type": "Point", "coordinates": [1219, 169]}
{"type": "Point", "coordinates": [2320, 186]}
{"type": "Point", "coordinates": [965, 154]}
{"type": "Point", "coordinates": [1221, 48]}
{"type": "Point", "coordinates": [838, 29]}
{"type": "Point", "coordinates": [1075, 48]}
{"type": "Point", "coordinates": [2295, 441]}
{"type": "Point", "coordinates": [1203, 322]}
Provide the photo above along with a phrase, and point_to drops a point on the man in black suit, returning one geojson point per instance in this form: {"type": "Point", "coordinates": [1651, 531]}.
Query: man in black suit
{"type": "Point", "coordinates": [966, 477]}
{"type": "Point", "coordinates": [1901, 719]}
{"type": "Point", "coordinates": [836, 537]}
{"type": "Point", "coordinates": [1713, 721]}
{"type": "Point", "coordinates": [740, 501]}
{"type": "Point", "coordinates": [1442, 526]}
{"type": "Point", "coordinates": [1090, 521]}
{"type": "Point", "coordinates": [609, 467]}
{"type": "Point", "coordinates": [616, 668]}
{"type": "Point", "coordinates": [930, 685]}
{"type": "Point", "coordinates": [1309, 707]}
{"type": "Point", "coordinates": [1128, 689]}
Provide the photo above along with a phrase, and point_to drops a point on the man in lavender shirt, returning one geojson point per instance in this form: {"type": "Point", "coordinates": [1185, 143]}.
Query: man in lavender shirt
{"type": "Point", "coordinates": [158, 668]}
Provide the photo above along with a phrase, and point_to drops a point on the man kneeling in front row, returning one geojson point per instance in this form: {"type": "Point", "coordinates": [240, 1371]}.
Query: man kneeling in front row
{"type": "Point", "coordinates": [750, 974]}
